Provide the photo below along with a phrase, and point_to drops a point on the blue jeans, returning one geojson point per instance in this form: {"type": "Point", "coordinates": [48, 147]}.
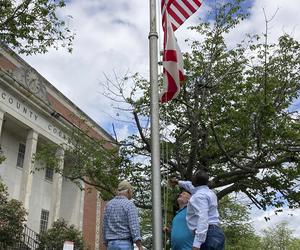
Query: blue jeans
{"type": "Point", "coordinates": [120, 245]}
{"type": "Point", "coordinates": [215, 239]}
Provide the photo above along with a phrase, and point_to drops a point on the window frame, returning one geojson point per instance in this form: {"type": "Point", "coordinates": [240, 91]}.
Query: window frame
{"type": "Point", "coordinates": [44, 220]}
{"type": "Point", "coordinates": [49, 174]}
{"type": "Point", "coordinates": [21, 155]}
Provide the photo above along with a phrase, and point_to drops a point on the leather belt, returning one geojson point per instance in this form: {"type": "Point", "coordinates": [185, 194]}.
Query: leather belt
{"type": "Point", "coordinates": [214, 226]}
{"type": "Point", "coordinates": [128, 239]}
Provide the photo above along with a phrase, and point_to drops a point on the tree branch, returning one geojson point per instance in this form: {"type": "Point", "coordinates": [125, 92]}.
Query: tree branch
{"type": "Point", "coordinates": [139, 127]}
{"type": "Point", "coordinates": [234, 163]}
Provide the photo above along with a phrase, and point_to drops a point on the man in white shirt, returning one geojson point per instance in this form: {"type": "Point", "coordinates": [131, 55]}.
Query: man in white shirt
{"type": "Point", "coordinates": [202, 213]}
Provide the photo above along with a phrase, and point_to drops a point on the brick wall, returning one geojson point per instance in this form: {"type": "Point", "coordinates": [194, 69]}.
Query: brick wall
{"type": "Point", "coordinates": [90, 220]}
{"type": "Point", "coordinates": [103, 204]}
{"type": "Point", "coordinates": [89, 216]}
{"type": "Point", "coordinates": [6, 64]}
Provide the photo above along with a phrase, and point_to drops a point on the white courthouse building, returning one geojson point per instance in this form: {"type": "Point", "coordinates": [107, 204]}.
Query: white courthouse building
{"type": "Point", "coordinates": [33, 112]}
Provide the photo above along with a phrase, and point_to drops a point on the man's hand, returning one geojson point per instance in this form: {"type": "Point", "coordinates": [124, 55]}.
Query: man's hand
{"type": "Point", "coordinates": [139, 244]}
{"type": "Point", "coordinates": [166, 229]}
{"type": "Point", "coordinates": [173, 181]}
{"type": "Point", "coordinates": [195, 248]}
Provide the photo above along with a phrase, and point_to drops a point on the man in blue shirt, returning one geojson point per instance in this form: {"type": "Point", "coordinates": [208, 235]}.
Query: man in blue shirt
{"type": "Point", "coordinates": [121, 224]}
{"type": "Point", "coordinates": [202, 213]}
{"type": "Point", "coordinates": [181, 236]}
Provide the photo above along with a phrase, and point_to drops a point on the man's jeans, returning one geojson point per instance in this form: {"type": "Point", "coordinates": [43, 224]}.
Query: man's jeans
{"type": "Point", "coordinates": [120, 245]}
{"type": "Point", "coordinates": [215, 239]}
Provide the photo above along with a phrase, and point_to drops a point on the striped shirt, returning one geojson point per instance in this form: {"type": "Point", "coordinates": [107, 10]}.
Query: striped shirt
{"type": "Point", "coordinates": [121, 220]}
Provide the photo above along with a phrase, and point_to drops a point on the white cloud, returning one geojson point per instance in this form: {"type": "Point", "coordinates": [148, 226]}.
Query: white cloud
{"type": "Point", "coordinates": [258, 216]}
{"type": "Point", "coordinates": [285, 19]}
{"type": "Point", "coordinates": [291, 216]}
{"type": "Point", "coordinates": [109, 36]}
{"type": "Point", "coordinates": [123, 132]}
{"type": "Point", "coordinates": [113, 35]}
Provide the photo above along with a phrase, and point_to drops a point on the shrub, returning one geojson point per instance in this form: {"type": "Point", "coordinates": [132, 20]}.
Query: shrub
{"type": "Point", "coordinates": [60, 232]}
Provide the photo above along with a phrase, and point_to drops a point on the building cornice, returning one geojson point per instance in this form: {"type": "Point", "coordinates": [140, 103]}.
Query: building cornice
{"type": "Point", "coordinates": [44, 95]}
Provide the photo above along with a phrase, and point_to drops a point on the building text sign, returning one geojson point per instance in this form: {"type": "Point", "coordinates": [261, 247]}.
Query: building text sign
{"type": "Point", "coordinates": [68, 245]}
{"type": "Point", "coordinates": [29, 114]}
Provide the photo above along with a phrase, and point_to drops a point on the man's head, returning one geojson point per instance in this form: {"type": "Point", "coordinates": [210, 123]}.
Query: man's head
{"type": "Point", "coordinates": [125, 188]}
{"type": "Point", "coordinates": [183, 199]}
{"type": "Point", "coordinates": [200, 178]}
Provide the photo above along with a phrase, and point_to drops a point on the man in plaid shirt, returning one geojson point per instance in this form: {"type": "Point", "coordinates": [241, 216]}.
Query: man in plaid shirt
{"type": "Point", "coordinates": [121, 223]}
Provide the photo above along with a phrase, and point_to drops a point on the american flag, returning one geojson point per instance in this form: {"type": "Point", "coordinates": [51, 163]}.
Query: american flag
{"type": "Point", "coordinates": [174, 14]}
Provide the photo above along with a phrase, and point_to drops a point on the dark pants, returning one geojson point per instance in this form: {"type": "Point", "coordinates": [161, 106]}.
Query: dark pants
{"type": "Point", "coordinates": [215, 239]}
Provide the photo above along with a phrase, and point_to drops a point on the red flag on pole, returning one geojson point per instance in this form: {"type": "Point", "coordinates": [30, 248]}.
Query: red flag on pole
{"type": "Point", "coordinates": [174, 13]}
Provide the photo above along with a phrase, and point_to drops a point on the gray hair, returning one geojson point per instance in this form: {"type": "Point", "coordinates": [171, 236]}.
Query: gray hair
{"type": "Point", "coordinates": [123, 192]}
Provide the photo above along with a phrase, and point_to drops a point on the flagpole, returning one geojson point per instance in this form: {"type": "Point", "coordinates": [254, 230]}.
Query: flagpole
{"type": "Point", "coordinates": [155, 149]}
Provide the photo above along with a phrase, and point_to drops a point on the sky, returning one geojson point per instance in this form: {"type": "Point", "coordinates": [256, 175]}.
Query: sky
{"type": "Point", "coordinates": [112, 39]}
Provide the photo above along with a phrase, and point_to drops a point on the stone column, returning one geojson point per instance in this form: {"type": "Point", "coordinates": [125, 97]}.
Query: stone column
{"type": "Point", "coordinates": [1, 125]}
{"type": "Point", "coordinates": [1, 121]}
{"type": "Point", "coordinates": [57, 187]}
{"type": "Point", "coordinates": [81, 207]}
{"type": "Point", "coordinates": [98, 222]}
{"type": "Point", "coordinates": [28, 167]}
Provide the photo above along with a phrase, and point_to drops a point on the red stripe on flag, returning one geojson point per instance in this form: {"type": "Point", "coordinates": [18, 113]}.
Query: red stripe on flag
{"type": "Point", "coordinates": [162, 7]}
{"type": "Point", "coordinates": [181, 10]}
{"type": "Point", "coordinates": [170, 2]}
{"type": "Point", "coordinates": [198, 3]}
{"type": "Point", "coordinates": [187, 4]}
{"type": "Point", "coordinates": [164, 22]}
{"type": "Point", "coordinates": [176, 18]}
{"type": "Point", "coordinates": [170, 55]}
{"type": "Point", "coordinates": [172, 88]}
{"type": "Point", "coordinates": [174, 27]}
{"type": "Point", "coordinates": [181, 77]}
{"type": "Point", "coordinates": [175, 7]}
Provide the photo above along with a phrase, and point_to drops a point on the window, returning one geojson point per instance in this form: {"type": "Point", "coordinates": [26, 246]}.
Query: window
{"type": "Point", "coordinates": [49, 174]}
{"type": "Point", "coordinates": [21, 155]}
{"type": "Point", "coordinates": [44, 221]}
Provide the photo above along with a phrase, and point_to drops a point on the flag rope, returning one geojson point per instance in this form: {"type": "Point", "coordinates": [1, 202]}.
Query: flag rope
{"type": "Point", "coordinates": [173, 14]}
{"type": "Point", "coordinates": [164, 148]}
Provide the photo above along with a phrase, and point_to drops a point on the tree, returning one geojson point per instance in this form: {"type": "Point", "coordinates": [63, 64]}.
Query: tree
{"type": "Point", "coordinates": [239, 232]}
{"type": "Point", "coordinates": [169, 209]}
{"type": "Point", "coordinates": [146, 228]}
{"type": "Point", "coordinates": [295, 244]}
{"type": "Point", "coordinates": [12, 216]}
{"type": "Point", "coordinates": [93, 161]}
{"type": "Point", "coordinates": [232, 117]}
{"type": "Point", "coordinates": [2, 157]}
{"type": "Point", "coordinates": [60, 232]}
{"type": "Point", "coordinates": [33, 26]}
{"type": "Point", "coordinates": [279, 237]}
